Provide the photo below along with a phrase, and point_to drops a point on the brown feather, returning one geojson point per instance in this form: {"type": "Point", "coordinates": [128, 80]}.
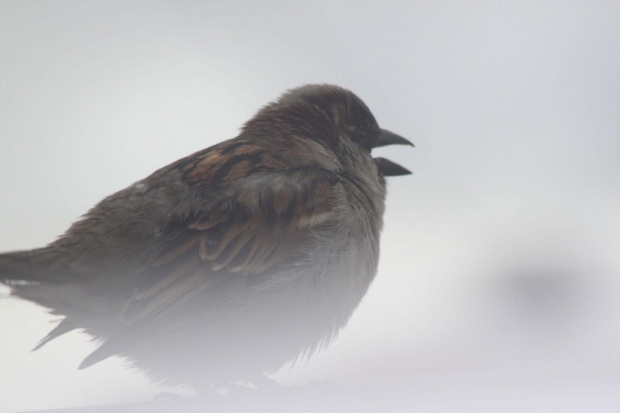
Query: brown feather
{"type": "Point", "coordinates": [251, 229]}
{"type": "Point", "coordinates": [176, 252]}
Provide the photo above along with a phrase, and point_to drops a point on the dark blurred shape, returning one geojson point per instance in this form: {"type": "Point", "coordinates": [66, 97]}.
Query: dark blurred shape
{"type": "Point", "coordinates": [541, 292]}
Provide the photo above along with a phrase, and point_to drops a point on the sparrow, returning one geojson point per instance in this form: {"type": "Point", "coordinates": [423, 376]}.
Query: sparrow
{"type": "Point", "coordinates": [233, 261]}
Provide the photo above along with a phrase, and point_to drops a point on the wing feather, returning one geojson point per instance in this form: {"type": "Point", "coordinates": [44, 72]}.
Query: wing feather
{"type": "Point", "coordinates": [252, 226]}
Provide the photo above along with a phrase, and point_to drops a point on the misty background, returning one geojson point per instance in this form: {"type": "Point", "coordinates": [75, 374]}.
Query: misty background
{"type": "Point", "coordinates": [499, 262]}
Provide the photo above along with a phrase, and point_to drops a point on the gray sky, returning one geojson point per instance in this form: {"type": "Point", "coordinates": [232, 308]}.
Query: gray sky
{"type": "Point", "coordinates": [499, 254]}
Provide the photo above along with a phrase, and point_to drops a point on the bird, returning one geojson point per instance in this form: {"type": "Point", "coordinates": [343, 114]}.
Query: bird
{"type": "Point", "coordinates": [233, 261]}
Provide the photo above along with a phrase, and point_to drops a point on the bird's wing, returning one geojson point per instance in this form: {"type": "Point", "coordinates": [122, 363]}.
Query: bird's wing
{"type": "Point", "coordinates": [251, 224]}
{"type": "Point", "coordinates": [254, 211]}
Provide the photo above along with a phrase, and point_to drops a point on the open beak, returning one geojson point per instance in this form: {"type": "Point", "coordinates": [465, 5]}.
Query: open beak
{"type": "Point", "coordinates": [387, 167]}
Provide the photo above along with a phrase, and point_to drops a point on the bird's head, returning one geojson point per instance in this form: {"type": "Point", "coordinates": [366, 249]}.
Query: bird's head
{"type": "Point", "coordinates": [332, 116]}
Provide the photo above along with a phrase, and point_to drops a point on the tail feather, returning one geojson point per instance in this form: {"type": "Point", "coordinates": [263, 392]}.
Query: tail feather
{"type": "Point", "coordinates": [34, 276]}
{"type": "Point", "coordinates": [33, 266]}
{"type": "Point", "coordinates": [30, 275]}
{"type": "Point", "coordinates": [109, 348]}
{"type": "Point", "coordinates": [98, 355]}
{"type": "Point", "coordinates": [13, 268]}
{"type": "Point", "coordinates": [64, 327]}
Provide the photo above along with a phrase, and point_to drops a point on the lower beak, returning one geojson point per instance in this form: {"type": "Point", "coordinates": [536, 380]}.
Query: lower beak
{"type": "Point", "coordinates": [389, 168]}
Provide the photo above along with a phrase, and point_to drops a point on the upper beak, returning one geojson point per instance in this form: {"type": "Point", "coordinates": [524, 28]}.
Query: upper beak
{"type": "Point", "coordinates": [387, 167]}
{"type": "Point", "coordinates": [390, 138]}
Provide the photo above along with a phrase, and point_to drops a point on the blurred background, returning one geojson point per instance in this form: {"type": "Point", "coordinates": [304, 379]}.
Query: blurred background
{"type": "Point", "coordinates": [499, 281]}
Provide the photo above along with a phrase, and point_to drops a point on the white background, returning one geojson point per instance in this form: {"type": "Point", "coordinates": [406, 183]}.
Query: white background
{"type": "Point", "coordinates": [499, 255]}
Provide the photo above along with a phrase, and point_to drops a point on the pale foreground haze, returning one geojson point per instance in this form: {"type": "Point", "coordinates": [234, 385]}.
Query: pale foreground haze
{"type": "Point", "coordinates": [499, 279]}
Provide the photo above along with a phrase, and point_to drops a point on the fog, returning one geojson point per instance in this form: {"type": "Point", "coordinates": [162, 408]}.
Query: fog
{"type": "Point", "coordinates": [499, 279]}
